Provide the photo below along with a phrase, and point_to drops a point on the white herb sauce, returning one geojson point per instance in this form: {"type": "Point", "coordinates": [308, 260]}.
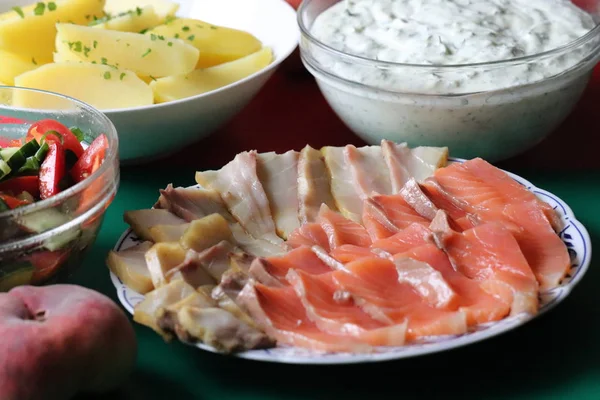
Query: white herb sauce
{"type": "Point", "coordinates": [451, 32]}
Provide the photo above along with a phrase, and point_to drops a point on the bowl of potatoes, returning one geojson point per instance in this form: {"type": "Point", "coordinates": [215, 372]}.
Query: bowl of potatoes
{"type": "Point", "coordinates": [167, 73]}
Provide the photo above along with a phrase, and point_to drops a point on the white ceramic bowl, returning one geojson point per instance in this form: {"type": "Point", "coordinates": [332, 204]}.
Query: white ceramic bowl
{"type": "Point", "coordinates": [154, 131]}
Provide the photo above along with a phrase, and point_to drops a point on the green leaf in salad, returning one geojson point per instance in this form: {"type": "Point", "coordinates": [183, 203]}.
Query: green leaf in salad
{"type": "Point", "coordinates": [78, 133]}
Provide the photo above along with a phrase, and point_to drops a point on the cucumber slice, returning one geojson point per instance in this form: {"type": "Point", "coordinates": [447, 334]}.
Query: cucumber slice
{"type": "Point", "coordinates": [31, 167]}
{"type": "Point", "coordinates": [48, 219]}
{"type": "Point", "coordinates": [7, 153]}
{"type": "Point", "coordinates": [21, 275]}
{"type": "Point", "coordinates": [30, 148]}
{"type": "Point", "coordinates": [16, 161]}
{"type": "Point", "coordinates": [4, 169]}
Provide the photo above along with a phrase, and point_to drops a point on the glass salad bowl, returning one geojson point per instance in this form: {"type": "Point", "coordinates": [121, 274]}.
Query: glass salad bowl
{"type": "Point", "coordinates": [50, 225]}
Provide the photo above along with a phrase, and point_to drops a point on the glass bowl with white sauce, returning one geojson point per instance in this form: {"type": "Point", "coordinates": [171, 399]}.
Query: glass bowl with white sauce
{"type": "Point", "coordinates": [487, 78]}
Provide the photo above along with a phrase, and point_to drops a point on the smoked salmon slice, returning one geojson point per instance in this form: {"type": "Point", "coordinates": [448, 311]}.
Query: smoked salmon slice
{"type": "Point", "coordinates": [492, 195]}
{"type": "Point", "coordinates": [490, 255]}
{"type": "Point", "coordinates": [479, 306]}
{"type": "Point", "coordinates": [413, 236]}
{"type": "Point", "coordinates": [311, 234]}
{"type": "Point", "coordinates": [280, 313]}
{"type": "Point", "coordinates": [374, 286]}
{"type": "Point", "coordinates": [340, 230]}
{"type": "Point", "coordinates": [384, 216]}
{"type": "Point", "coordinates": [265, 270]}
{"type": "Point", "coordinates": [334, 311]}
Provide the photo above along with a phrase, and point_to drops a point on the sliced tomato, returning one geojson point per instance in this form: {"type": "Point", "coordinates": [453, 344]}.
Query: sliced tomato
{"type": "Point", "coordinates": [6, 142]}
{"type": "Point", "coordinates": [13, 202]}
{"type": "Point", "coordinates": [52, 170]}
{"type": "Point", "coordinates": [91, 159]}
{"type": "Point", "coordinates": [29, 184]}
{"type": "Point", "coordinates": [47, 263]}
{"type": "Point", "coordinates": [67, 138]}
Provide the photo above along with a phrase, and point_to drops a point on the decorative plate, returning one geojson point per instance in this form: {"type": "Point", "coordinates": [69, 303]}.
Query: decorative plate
{"type": "Point", "coordinates": [574, 235]}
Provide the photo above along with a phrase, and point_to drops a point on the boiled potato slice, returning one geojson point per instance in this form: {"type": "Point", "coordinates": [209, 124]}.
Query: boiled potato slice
{"type": "Point", "coordinates": [205, 232]}
{"type": "Point", "coordinates": [163, 8]}
{"type": "Point", "coordinates": [33, 36]}
{"type": "Point", "coordinates": [136, 20]}
{"type": "Point", "coordinates": [130, 266]}
{"type": "Point", "coordinates": [142, 54]}
{"type": "Point", "coordinates": [12, 65]}
{"type": "Point", "coordinates": [217, 44]}
{"type": "Point", "coordinates": [101, 86]}
{"type": "Point", "coordinates": [205, 80]}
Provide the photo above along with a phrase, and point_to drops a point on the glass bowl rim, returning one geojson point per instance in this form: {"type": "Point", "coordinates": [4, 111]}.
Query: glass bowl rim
{"type": "Point", "coordinates": [113, 142]}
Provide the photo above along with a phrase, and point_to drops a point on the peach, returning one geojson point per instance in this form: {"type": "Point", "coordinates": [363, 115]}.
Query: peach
{"type": "Point", "coordinates": [61, 340]}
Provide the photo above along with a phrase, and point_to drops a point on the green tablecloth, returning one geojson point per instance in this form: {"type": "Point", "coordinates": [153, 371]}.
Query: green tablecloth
{"type": "Point", "coordinates": [554, 357]}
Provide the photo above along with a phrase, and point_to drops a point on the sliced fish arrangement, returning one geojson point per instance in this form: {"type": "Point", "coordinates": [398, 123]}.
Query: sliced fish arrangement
{"type": "Point", "coordinates": [342, 249]}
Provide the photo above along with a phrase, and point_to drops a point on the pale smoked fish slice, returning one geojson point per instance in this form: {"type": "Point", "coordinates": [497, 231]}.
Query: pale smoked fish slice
{"type": "Point", "coordinates": [278, 174]}
{"type": "Point", "coordinates": [193, 203]}
{"type": "Point", "coordinates": [131, 268]}
{"type": "Point", "coordinates": [405, 163]}
{"type": "Point", "coordinates": [280, 313]}
{"type": "Point", "coordinates": [164, 296]}
{"type": "Point", "coordinates": [335, 312]}
{"type": "Point", "coordinates": [369, 170]}
{"type": "Point", "coordinates": [141, 221]}
{"type": "Point", "coordinates": [242, 192]}
{"type": "Point", "coordinates": [343, 189]}
{"type": "Point", "coordinates": [313, 185]}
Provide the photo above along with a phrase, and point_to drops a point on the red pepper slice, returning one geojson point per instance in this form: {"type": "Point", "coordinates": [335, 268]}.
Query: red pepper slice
{"type": "Point", "coordinates": [13, 202]}
{"type": "Point", "coordinates": [46, 264]}
{"type": "Point", "coordinates": [18, 185]}
{"type": "Point", "coordinates": [91, 159]}
{"type": "Point", "coordinates": [52, 170]}
{"type": "Point", "coordinates": [6, 142]}
{"type": "Point", "coordinates": [69, 140]}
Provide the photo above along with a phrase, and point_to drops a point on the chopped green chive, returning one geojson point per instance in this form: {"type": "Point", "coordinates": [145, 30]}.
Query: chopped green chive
{"type": "Point", "coordinates": [51, 6]}
{"type": "Point", "coordinates": [177, 36]}
{"type": "Point", "coordinates": [33, 61]}
{"type": "Point", "coordinates": [39, 8]}
{"type": "Point", "coordinates": [138, 11]}
{"type": "Point", "coordinates": [19, 11]}
{"type": "Point", "coordinates": [104, 61]}
{"type": "Point", "coordinates": [77, 46]}
{"type": "Point", "coordinates": [213, 27]}
{"type": "Point", "coordinates": [170, 19]}
{"type": "Point", "coordinates": [147, 52]}
{"type": "Point", "coordinates": [86, 50]}
{"type": "Point", "coordinates": [153, 36]}
{"type": "Point", "coordinates": [161, 37]}
{"type": "Point", "coordinates": [185, 28]}
{"type": "Point", "coordinates": [122, 75]}
{"type": "Point", "coordinates": [153, 78]}
{"type": "Point", "coordinates": [95, 43]}
{"type": "Point", "coordinates": [143, 31]}
{"type": "Point", "coordinates": [170, 44]}
{"type": "Point", "coordinates": [107, 75]}
{"type": "Point", "coordinates": [191, 38]}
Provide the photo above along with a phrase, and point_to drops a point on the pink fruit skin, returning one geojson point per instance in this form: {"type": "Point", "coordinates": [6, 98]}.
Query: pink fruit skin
{"type": "Point", "coordinates": [83, 342]}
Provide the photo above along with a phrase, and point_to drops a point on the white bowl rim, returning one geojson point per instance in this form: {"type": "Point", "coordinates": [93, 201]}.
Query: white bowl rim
{"type": "Point", "coordinates": [278, 59]}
